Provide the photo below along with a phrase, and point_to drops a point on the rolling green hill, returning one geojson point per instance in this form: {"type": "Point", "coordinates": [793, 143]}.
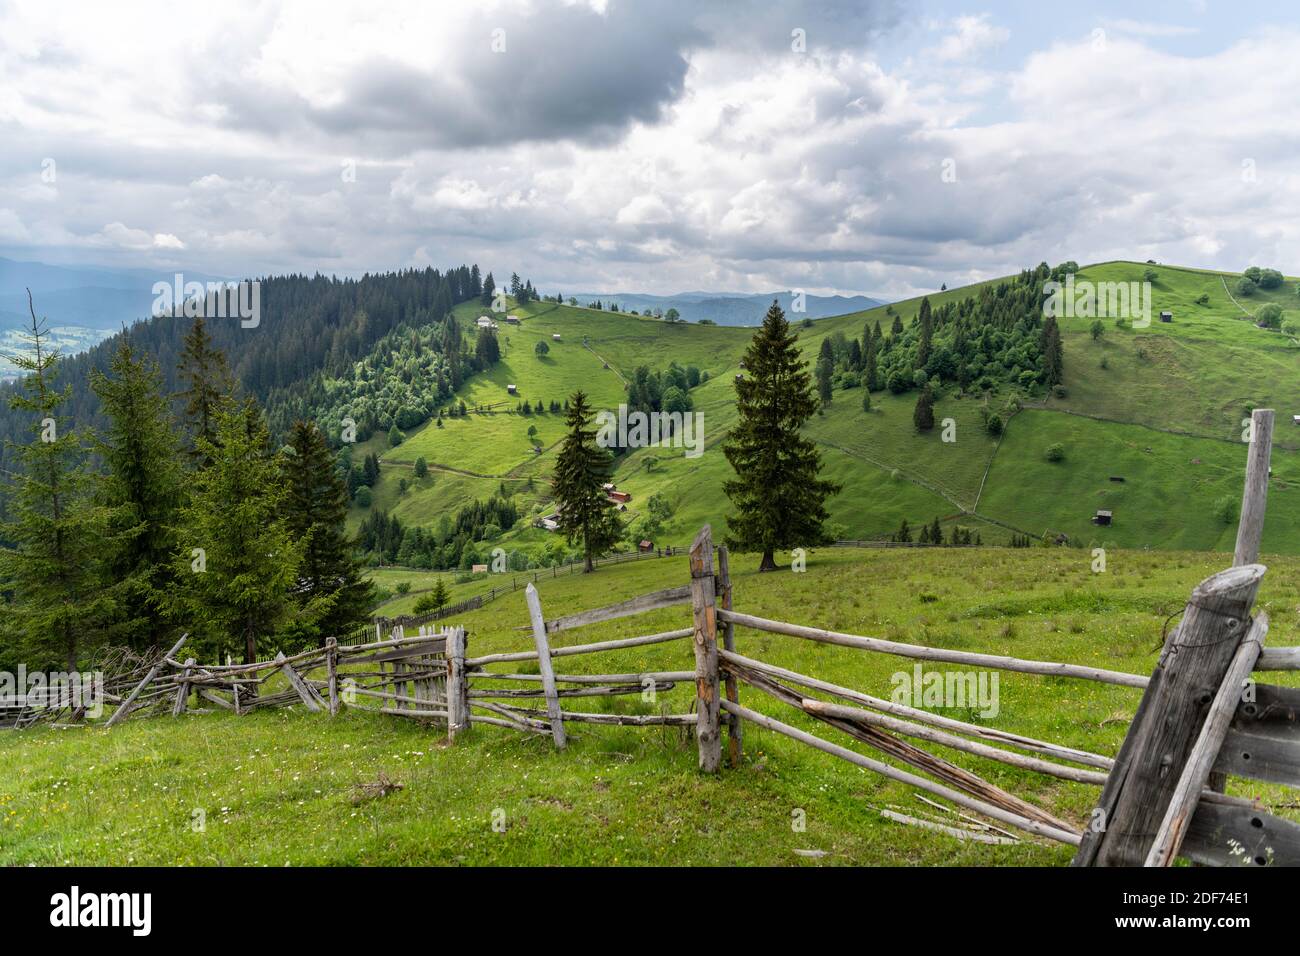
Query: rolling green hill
{"type": "Point", "coordinates": [1159, 406]}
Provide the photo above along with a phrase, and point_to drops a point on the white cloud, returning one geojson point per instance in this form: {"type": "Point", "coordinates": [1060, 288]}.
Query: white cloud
{"type": "Point", "coordinates": [759, 169]}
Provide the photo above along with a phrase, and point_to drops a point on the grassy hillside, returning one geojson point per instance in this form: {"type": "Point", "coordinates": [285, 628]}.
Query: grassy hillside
{"type": "Point", "coordinates": [1161, 405]}
{"type": "Point", "coordinates": [281, 787]}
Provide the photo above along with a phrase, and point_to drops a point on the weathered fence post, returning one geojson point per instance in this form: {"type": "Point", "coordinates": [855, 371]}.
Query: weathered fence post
{"type": "Point", "coordinates": [707, 734]}
{"type": "Point", "coordinates": [332, 673]}
{"type": "Point", "coordinates": [735, 740]}
{"type": "Point", "coordinates": [183, 691]}
{"type": "Point", "coordinates": [544, 666]}
{"type": "Point", "coordinates": [1254, 497]}
{"type": "Point", "coordinates": [1192, 667]}
{"type": "Point", "coordinates": [457, 684]}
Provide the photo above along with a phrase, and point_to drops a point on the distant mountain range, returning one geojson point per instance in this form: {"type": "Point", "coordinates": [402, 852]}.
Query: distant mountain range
{"type": "Point", "coordinates": [731, 308]}
{"type": "Point", "coordinates": [81, 297]}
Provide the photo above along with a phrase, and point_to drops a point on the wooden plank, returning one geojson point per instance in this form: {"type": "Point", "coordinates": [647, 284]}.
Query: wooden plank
{"type": "Point", "coordinates": [332, 672]}
{"type": "Point", "coordinates": [125, 706]}
{"type": "Point", "coordinates": [544, 665]}
{"type": "Point", "coordinates": [735, 726]}
{"type": "Point", "coordinates": [669, 597]}
{"type": "Point", "coordinates": [1240, 836]}
{"type": "Point", "coordinates": [214, 698]}
{"type": "Point", "coordinates": [1272, 706]}
{"type": "Point", "coordinates": [708, 736]}
{"type": "Point", "coordinates": [575, 649]}
{"type": "Point", "coordinates": [1190, 671]}
{"type": "Point", "coordinates": [1200, 762]}
{"type": "Point", "coordinates": [310, 698]}
{"type": "Point", "coordinates": [1279, 659]}
{"type": "Point", "coordinates": [183, 691]}
{"type": "Point", "coordinates": [995, 661]}
{"type": "Point", "coordinates": [457, 684]}
{"type": "Point", "coordinates": [1254, 496]}
{"type": "Point", "coordinates": [1267, 755]}
{"type": "Point", "coordinates": [434, 646]}
{"type": "Point", "coordinates": [958, 832]}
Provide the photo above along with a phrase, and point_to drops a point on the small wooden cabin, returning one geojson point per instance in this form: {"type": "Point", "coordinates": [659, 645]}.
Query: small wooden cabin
{"type": "Point", "coordinates": [1102, 517]}
{"type": "Point", "coordinates": [1166, 316]}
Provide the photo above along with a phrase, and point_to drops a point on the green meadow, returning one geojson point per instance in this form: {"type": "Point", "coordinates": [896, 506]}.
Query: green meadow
{"type": "Point", "coordinates": [288, 787]}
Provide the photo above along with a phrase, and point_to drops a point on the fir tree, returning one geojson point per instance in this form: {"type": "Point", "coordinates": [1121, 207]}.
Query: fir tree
{"type": "Point", "coordinates": [330, 589]}
{"type": "Point", "coordinates": [207, 387]}
{"type": "Point", "coordinates": [143, 489]}
{"type": "Point", "coordinates": [489, 291]}
{"type": "Point", "coordinates": [237, 559]}
{"type": "Point", "coordinates": [923, 414]}
{"type": "Point", "coordinates": [925, 345]}
{"type": "Point", "coordinates": [778, 497]}
{"type": "Point", "coordinates": [904, 533]}
{"type": "Point", "coordinates": [585, 513]}
{"type": "Point", "coordinates": [936, 532]}
{"type": "Point", "coordinates": [54, 531]}
{"type": "Point", "coordinates": [1053, 356]}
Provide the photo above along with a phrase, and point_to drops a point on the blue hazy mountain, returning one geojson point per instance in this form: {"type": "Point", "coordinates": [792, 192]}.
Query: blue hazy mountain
{"type": "Point", "coordinates": [730, 308]}
{"type": "Point", "coordinates": [83, 297]}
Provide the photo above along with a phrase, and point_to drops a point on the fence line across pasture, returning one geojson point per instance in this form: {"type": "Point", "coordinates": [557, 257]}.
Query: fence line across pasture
{"type": "Point", "coordinates": [1161, 796]}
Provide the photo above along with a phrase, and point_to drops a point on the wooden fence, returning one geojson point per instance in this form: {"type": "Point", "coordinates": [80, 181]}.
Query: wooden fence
{"type": "Point", "coordinates": [1201, 717]}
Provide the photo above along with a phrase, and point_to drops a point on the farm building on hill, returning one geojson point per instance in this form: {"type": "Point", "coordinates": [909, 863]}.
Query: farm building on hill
{"type": "Point", "coordinates": [485, 322]}
{"type": "Point", "coordinates": [511, 390]}
{"type": "Point", "coordinates": [620, 496]}
{"type": "Point", "coordinates": [512, 320]}
{"type": "Point", "coordinates": [1166, 316]}
{"type": "Point", "coordinates": [1101, 517]}
{"type": "Point", "coordinates": [646, 545]}
{"type": "Point", "coordinates": [479, 569]}
{"type": "Point", "coordinates": [555, 336]}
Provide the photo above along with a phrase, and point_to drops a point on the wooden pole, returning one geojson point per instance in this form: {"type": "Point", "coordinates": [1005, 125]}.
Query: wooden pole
{"type": "Point", "coordinates": [457, 684]}
{"type": "Point", "coordinates": [1254, 497]}
{"type": "Point", "coordinates": [308, 693]}
{"type": "Point", "coordinates": [544, 665]}
{"type": "Point", "coordinates": [332, 673]}
{"type": "Point", "coordinates": [125, 707]}
{"type": "Point", "coordinates": [1199, 763]}
{"type": "Point", "coordinates": [708, 737]}
{"type": "Point", "coordinates": [735, 733]}
{"type": "Point", "coordinates": [1192, 667]}
{"type": "Point", "coordinates": [183, 691]}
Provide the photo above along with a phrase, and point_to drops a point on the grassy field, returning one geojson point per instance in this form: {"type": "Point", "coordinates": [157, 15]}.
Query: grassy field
{"type": "Point", "coordinates": [1187, 383]}
{"type": "Point", "coordinates": [283, 787]}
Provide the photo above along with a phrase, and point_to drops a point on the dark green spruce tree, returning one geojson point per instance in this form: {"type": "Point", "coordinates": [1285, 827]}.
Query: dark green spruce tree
{"type": "Point", "coordinates": [923, 413]}
{"type": "Point", "coordinates": [778, 496]}
{"type": "Point", "coordinates": [237, 560]}
{"type": "Point", "coordinates": [53, 534]}
{"type": "Point", "coordinates": [585, 515]}
{"type": "Point", "coordinates": [142, 488]}
{"type": "Point", "coordinates": [207, 389]}
{"type": "Point", "coordinates": [330, 591]}
{"type": "Point", "coordinates": [925, 345]}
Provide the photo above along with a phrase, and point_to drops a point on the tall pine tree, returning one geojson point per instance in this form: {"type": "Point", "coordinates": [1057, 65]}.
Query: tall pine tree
{"type": "Point", "coordinates": [330, 591]}
{"type": "Point", "coordinates": [207, 387]}
{"type": "Point", "coordinates": [143, 489]}
{"type": "Point", "coordinates": [585, 513]}
{"type": "Point", "coordinates": [779, 499]}
{"type": "Point", "coordinates": [53, 534]}
{"type": "Point", "coordinates": [237, 559]}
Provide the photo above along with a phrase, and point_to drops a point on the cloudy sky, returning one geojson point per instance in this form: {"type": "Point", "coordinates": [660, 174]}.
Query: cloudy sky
{"type": "Point", "coordinates": [658, 146]}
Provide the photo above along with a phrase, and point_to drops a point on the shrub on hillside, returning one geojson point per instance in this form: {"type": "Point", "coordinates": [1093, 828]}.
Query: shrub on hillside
{"type": "Point", "coordinates": [1056, 452]}
{"type": "Point", "coordinates": [994, 424]}
{"type": "Point", "coordinates": [1269, 316]}
{"type": "Point", "coordinates": [1246, 286]}
{"type": "Point", "coordinates": [363, 497]}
